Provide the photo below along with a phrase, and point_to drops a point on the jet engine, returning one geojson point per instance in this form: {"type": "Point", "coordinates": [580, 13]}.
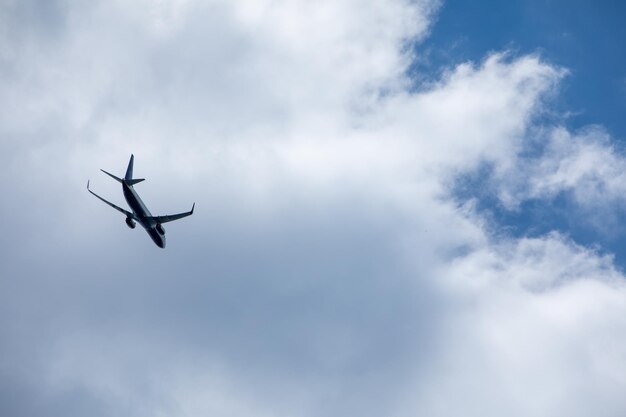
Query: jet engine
{"type": "Point", "coordinates": [160, 229]}
{"type": "Point", "coordinates": [130, 222]}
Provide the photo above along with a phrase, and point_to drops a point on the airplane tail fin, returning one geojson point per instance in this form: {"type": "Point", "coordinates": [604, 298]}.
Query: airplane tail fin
{"type": "Point", "coordinates": [129, 170]}
{"type": "Point", "coordinates": [128, 178]}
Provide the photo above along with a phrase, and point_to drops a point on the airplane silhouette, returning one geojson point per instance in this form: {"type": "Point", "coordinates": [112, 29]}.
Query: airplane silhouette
{"type": "Point", "coordinates": [140, 213]}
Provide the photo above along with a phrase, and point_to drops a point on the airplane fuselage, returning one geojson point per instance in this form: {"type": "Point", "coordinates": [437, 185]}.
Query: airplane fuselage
{"type": "Point", "coordinates": [143, 215]}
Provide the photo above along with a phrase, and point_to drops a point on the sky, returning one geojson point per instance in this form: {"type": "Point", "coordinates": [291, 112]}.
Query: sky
{"type": "Point", "coordinates": [582, 36]}
{"type": "Point", "coordinates": [402, 208]}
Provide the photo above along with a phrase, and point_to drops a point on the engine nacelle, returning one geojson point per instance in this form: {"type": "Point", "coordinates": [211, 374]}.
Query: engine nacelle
{"type": "Point", "coordinates": [130, 223]}
{"type": "Point", "coordinates": [160, 229]}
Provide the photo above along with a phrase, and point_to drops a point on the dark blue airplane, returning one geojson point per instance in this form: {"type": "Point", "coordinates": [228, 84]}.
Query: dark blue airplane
{"type": "Point", "coordinates": [140, 213]}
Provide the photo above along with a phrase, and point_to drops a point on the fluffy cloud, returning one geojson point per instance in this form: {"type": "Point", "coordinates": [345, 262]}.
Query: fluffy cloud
{"type": "Point", "coordinates": [329, 269]}
{"type": "Point", "coordinates": [538, 330]}
{"type": "Point", "coordinates": [584, 163]}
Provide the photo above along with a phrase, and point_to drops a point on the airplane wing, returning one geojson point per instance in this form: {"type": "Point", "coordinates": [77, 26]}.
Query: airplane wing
{"type": "Point", "coordinates": [121, 210]}
{"type": "Point", "coordinates": [172, 217]}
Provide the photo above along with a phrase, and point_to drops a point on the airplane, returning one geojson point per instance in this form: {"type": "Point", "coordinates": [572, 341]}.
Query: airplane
{"type": "Point", "coordinates": [140, 213]}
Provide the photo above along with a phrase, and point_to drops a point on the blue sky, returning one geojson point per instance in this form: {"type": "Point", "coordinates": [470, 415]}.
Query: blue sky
{"type": "Point", "coordinates": [377, 231]}
{"type": "Point", "coordinates": [582, 36]}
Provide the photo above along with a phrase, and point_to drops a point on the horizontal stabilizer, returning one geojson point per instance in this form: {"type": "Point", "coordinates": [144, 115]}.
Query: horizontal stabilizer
{"type": "Point", "coordinates": [135, 181]}
{"type": "Point", "coordinates": [112, 176]}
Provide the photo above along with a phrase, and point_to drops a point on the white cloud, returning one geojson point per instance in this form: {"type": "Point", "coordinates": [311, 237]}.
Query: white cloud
{"type": "Point", "coordinates": [538, 331]}
{"type": "Point", "coordinates": [584, 163]}
{"type": "Point", "coordinates": [327, 270]}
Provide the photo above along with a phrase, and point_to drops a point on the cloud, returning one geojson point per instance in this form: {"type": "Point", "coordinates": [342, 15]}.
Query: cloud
{"type": "Point", "coordinates": [585, 163]}
{"type": "Point", "coordinates": [329, 268]}
{"type": "Point", "coordinates": [539, 323]}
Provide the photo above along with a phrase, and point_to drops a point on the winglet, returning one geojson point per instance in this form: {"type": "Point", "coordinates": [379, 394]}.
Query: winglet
{"type": "Point", "coordinates": [87, 184]}
{"type": "Point", "coordinates": [192, 207]}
